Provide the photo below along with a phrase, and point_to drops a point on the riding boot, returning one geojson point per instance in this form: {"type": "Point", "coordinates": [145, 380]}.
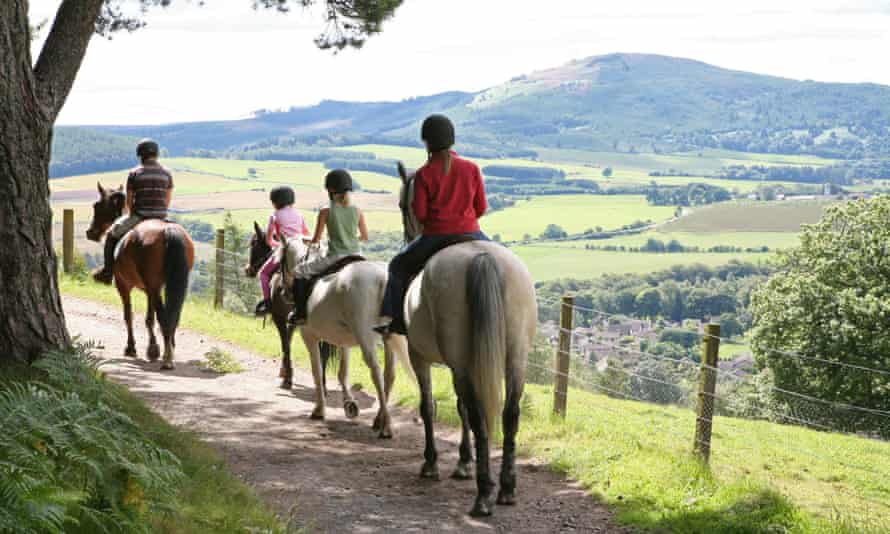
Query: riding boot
{"type": "Point", "coordinates": [298, 316]}
{"type": "Point", "coordinates": [105, 274]}
{"type": "Point", "coordinates": [263, 307]}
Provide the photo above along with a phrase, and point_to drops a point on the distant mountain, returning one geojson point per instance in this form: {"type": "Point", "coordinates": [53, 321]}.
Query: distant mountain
{"type": "Point", "coordinates": [616, 102]}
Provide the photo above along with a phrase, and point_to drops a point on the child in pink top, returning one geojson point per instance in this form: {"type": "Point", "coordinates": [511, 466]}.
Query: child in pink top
{"type": "Point", "coordinates": [287, 222]}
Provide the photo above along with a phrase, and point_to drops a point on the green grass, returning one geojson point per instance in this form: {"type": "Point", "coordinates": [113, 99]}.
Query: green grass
{"type": "Point", "coordinates": [550, 261]}
{"type": "Point", "coordinates": [574, 213]}
{"type": "Point", "coordinates": [636, 457]}
{"type": "Point", "coordinates": [208, 498]}
{"type": "Point", "coordinates": [219, 361]}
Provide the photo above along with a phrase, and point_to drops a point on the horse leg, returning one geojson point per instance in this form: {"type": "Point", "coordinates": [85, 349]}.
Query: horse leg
{"type": "Point", "coordinates": [350, 407]}
{"type": "Point", "coordinates": [389, 378]}
{"type": "Point", "coordinates": [154, 352]}
{"type": "Point", "coordinates": [124, 292]}
{"type": "Point", "coordinates": [422, 370]}
{"type": "Point", "coordinates": [383, 420]}
{"type": "Point", "coordinates": [484, 482]}
{"type": "Point", "coordinates": [285, 334]}
{"type": "Point", "coordinates": [464, 470]}
{"type": "Point", "coordinates": [315, 358]}
{"type": "Point", "coordinates": [515, 384]}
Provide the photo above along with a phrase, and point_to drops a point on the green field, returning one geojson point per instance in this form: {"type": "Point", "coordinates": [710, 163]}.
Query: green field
{"type": "Point", "coordinates": [574, 213]}
{"type": "Point", "coordinates": [636, 457]}
{"type": "Point", "coordinates": [550, 261]}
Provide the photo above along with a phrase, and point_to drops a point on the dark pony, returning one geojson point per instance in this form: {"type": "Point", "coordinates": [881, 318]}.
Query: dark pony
{"type": "Point", "coordinates": [260, 252]}
{"type": "Point", "coordinates": [155, 255]}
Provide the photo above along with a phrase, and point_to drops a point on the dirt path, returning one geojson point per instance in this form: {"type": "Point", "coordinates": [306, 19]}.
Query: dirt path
{"type": "Point", "coordinates": [335, 475]}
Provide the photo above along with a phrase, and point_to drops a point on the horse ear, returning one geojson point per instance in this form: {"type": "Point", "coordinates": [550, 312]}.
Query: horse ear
{"type": "Point", "coordinates": [403, 173]}
{"type": "Point", "coordinates": [257, 229]}
{"type": "Point", "coordinates": [101, 191]}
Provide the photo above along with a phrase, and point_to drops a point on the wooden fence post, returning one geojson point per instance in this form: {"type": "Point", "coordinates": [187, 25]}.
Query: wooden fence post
{"type": "Point", "coordinates": [68, 240]}
{"type": "Point", "coordinates": [220, 268]}
{"type": "Point", "coordinates": [563, 356]}
{"type": "Point", "coordinates": [707, 387]}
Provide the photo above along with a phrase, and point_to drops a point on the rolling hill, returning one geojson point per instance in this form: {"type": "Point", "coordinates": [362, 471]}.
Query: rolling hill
{"type": "Point", "coordinates": [616, 102]}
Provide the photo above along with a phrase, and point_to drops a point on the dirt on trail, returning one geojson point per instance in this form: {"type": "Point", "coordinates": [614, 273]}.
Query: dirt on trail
{"type": "Point", "coordinates": [333, 475]}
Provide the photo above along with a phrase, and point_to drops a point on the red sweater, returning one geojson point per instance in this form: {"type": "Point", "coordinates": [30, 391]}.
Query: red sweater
{"type": "Point", "coordinates": [449, 204]}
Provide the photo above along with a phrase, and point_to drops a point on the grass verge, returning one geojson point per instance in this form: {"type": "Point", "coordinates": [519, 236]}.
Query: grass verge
{"type": "Point", "coordinates": [88, 456]}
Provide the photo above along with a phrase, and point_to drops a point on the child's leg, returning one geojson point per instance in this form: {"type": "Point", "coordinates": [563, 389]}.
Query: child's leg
{"type": "Point", "coordinates": [266, 273]}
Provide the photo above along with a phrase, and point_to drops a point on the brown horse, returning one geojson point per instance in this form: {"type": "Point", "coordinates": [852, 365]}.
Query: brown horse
{"type": "Point", "coordinates": [156, 254]}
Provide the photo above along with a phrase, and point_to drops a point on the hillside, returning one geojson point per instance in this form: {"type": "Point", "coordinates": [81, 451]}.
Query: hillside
{"type": "Point", "coordinates": [616, 103]}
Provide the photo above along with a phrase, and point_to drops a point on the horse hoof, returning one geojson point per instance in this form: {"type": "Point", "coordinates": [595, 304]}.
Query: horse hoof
{"type": "Point", "coordinates": [429, 471]}
{"type": "Point", "coordinates": [385, 434]}
{"type": "Point", "coordinates": [462, 472]}
{"type": "Point", "coordinates": [507, 498]}
{"type": "Point", "coordinates": [167, 366]}
{"type": "Point", "coordinates": [482, 508]}
{"type": "Point", "coordinates": [130, 352]}
{"type": "Point", "coordinates": [317, 415]}
{"type": "Point", "coordinates": [351, 409]}
{"type": "Point", "coordinates": [286, 384]}
{"type": "Point", "coordinates": [153, 353]}
{"type": "Point", "coordinates": [282, 372]}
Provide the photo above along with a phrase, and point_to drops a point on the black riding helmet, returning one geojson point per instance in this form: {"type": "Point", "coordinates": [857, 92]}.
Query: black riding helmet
{"type": "Point", "coordinates": [338, 181]}
{"type": "Point", "coordinates": [147, 148]}
{"type": "Point", "coordinates": [281, 196]}
{"type": "Point", "coordinates": [438, 132]}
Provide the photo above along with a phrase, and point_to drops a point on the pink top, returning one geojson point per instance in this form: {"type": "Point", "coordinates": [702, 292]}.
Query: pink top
{"type": "Point", "coordinates": [285, 222]}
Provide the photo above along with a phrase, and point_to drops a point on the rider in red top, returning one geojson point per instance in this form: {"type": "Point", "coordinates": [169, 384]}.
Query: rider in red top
{"type": "Point", "coordinates": [449, 198]}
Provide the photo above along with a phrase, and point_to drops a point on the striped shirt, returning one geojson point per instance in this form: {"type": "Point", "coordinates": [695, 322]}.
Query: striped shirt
{"type": "Point", "coordinates": [149, 183]}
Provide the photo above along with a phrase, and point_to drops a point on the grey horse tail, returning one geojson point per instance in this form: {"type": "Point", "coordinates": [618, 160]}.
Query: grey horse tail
{"type": "Point", "coordinates": [328, 352]}
{"type": "Point", "coordinates": [485, 295]}
{"type": "Point", "coordinates": [176, 280]}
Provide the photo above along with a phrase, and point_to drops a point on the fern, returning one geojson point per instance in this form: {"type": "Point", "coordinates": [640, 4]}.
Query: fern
{"type": "Point", "coordinates": [71, 460]}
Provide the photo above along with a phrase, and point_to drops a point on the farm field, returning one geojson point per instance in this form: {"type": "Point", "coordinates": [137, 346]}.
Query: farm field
{"type": "Point", "coordinates": [773, 240]}
{"type": "Point", "coordinates": [628, 169]}
{"type": "Point", "coordinates": [548, 262]}
{"type": "Point", "coordinates": [574, 213]}
{"type": "Point", "coordinates": [743, 216]}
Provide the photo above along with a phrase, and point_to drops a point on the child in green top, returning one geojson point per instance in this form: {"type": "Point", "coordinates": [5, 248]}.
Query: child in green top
{"type": "Point", "coordinates": [346, 226]}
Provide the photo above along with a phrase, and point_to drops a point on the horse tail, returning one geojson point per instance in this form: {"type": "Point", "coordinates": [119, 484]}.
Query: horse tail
{"type": "Point", "coordinates": [485, 295]}
{"type": "Point", "coordinates": [176, 279]}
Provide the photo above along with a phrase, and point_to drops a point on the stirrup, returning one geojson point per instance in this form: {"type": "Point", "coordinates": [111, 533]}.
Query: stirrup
{"type": "Point", "coordinates": [295, 320]}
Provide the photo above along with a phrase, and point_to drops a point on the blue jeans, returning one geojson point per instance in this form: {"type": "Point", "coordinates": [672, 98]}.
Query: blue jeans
{"type": "Point", "coordinates": [407, 264]}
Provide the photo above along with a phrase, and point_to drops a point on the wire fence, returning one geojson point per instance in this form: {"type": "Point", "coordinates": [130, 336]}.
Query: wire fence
{"type": "Point", "coordinates": [830, 452]}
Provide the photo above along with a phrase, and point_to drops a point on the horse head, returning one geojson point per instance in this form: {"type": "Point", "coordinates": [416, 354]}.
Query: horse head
{"type": "Point", "coordinates": [109, 207]}
{"type": "Point", "coordinates": [410, 224]}
{"type": "Point", "coordinates": [259, 251]}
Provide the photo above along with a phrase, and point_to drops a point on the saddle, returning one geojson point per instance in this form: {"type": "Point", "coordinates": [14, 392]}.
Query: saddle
{"type": "Point", "coordinates": [450, 242]}
{"type": "Point", "coordinates": [336, 267]}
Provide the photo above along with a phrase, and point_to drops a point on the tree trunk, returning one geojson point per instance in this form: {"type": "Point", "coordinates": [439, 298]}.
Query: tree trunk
{"type": "Point", "coordinates": [31, 319]}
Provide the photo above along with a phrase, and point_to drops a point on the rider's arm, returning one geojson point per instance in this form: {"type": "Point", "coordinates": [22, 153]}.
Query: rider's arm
{"type": "Point", "coordinates": [320, 224]}
{"type": "Point", "coordinates": [272, 233]}
{"type": "Point", "coordinates": [480, 203]}
{"type": "Point", "coordinates": [362, 226]}
{"type": "Point", "coordinates": [169, 196]}
{"type": "Point", "coordinates": [421, 199]}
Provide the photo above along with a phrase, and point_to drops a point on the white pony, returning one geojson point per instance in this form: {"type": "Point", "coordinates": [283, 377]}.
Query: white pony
{"type": "Point", "coordinates": [342, 310]}
{"type": "Point", "coordinates": [473, 308]}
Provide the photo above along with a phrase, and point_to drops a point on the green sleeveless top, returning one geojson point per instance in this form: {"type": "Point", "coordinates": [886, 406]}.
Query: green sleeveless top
{"type": "Point", "coordinates": [342, 230]}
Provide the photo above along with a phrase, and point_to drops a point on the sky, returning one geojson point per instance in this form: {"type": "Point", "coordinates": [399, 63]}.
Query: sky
{"type": "Point", "coordinates": [225, 60]}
